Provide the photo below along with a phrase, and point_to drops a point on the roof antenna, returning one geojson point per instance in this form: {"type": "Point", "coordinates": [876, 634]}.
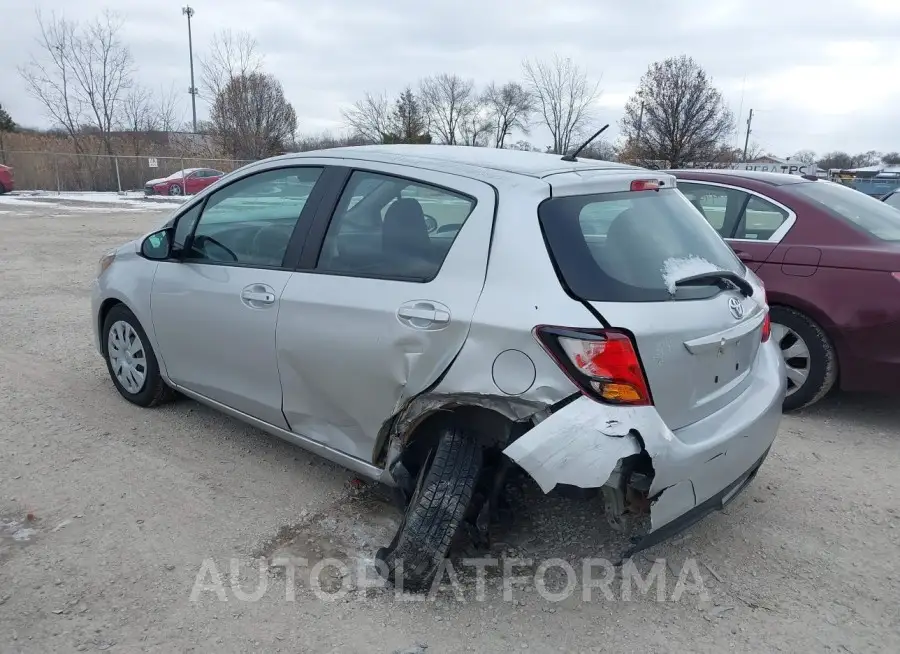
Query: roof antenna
{"type": "Point", "coordinates": [571, 157]}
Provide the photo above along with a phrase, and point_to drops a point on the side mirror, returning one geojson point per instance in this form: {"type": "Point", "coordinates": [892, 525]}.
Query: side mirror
{"type": "Point", "coordinates": [158, 245]}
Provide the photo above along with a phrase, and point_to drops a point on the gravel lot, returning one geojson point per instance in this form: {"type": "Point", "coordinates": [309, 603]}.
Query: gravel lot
{"type": "Point", "coordinates": [126, 504]}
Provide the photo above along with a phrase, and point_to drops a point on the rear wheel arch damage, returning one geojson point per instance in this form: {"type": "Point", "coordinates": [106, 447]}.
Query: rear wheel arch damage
{"type": "Point", "coordinates": [615, 461]}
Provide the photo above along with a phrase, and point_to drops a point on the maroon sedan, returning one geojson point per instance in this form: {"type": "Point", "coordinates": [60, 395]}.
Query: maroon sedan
{"type": "Point", "coordinates": [184, 182]}
{"type": "Point", "coordinates": [7, 181]}
{"type": "Point", "coordinates": [830, 260]}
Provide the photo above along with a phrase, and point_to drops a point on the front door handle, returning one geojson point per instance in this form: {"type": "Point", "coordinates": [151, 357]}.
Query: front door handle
{"type": "Point", "coordinates": [257, 295]}
{"type": "Point", "coordinates": [744, 256]}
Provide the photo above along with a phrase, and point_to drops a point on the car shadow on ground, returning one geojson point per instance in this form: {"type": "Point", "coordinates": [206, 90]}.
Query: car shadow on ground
{"type": "Point", "coordinates": [866, 410]}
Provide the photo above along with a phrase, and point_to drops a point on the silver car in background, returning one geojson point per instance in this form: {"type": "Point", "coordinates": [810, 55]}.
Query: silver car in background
{"type": "Point", "coordinates": [424, 315]}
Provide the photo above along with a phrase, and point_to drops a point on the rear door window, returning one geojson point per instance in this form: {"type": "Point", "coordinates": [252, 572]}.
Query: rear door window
{"type": "Point", "coordinates": [720, 205]}
{"type": "Point", "coordinates": [632, 246]}
{"type": "Point", "coordinates": [392, 227]}
{"type": "Point", "coordinates": [760, 220]}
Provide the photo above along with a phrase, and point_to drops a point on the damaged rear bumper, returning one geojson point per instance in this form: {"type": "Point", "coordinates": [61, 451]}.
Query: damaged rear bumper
{"type": "Point", "coordinates": [696, 469]}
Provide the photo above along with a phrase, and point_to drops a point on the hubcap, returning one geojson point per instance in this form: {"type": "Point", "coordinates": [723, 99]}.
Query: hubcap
{"type": "Point", "coordinates": [175, 190]}
{"type": "Point", "coordinates": [126, 356]}
{"type": "Point", "coordinates": [796, 356]}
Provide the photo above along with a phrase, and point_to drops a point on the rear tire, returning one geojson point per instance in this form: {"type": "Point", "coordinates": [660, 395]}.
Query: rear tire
{"type": "Point", "coordinates": [443, 492]}
{"type": "Point", "coordinates": [152, 389]}
{"type": "Point", "coordinates": [809, 357]}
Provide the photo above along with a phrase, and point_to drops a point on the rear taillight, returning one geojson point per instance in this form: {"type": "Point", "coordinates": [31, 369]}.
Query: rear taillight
{"type": "Point", "coordinates": [767, 321]}
{"type": "Point", "coordinates": [603, 364]}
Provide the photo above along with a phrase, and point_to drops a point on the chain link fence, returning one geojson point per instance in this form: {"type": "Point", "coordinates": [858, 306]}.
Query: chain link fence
{"type": "Point", "coordinates": [66, 172]}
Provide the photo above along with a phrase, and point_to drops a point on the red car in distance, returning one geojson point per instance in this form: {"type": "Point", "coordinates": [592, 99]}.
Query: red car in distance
{"type": "Point", "coordinates": [829, 257]}
{"type": "Point", "coordinates": [7, 181]}
{"type": "Point", "coordinates": [184, 182]}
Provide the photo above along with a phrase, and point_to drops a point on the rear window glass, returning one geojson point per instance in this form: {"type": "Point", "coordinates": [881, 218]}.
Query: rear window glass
{"type": "Point", "coordinates": [874, 216]}
{"type": "Point", "coordinates": [631, 246]}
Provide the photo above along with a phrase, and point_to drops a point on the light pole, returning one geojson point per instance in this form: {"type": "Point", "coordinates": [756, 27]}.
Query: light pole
{"type": "Point", "coordinates": [189, 12]}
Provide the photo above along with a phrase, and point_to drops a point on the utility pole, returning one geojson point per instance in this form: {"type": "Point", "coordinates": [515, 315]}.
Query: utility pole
{"type": "Point", "coordinates": [747, 139]}
{"type": "Point", "coordinates": [189, 12]}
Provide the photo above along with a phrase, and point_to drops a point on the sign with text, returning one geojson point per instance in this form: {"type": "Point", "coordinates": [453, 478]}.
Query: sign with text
{"type": "Point", "coordinates": [151, 161]}
{"type": "Point", "coordinates": [787, 167]}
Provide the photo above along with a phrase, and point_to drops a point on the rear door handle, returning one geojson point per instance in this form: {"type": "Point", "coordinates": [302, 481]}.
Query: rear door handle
{"type": "Point", "coordinates": [424, 314]}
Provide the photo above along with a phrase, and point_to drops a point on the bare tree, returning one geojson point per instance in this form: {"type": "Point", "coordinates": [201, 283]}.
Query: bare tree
{"type": "Point", "coordinates": [138, 115]}
{"type": "Point", "coordinates": [231, 55]}
{"type": "Point", "coordinates": [806, 156]}
{"type": "Point", "coordinates": [370, 118]}
{"type": "Point", "coordinates": [599, 149]}
{"type": "Point", "coordinates": [251, 117]}
{"type": "Point", "coordinates": [82, 74]}
{"type": "Point", "coordinates": [836, 159]}
{"type": "Point", "coordinates": [169, 114]}
{"type": "Point", "coordinates": [891, 158]}
{"type": "Point", "coordinates": [677, 115]}
{"type": "Point", "coordinates": [448, 101]}
{"type": "Point", "coordinates": [477, 128]}
{"type": "Point", "coordinates": [102, 68]}
{"type": "Point", "coordinates": [564, 97]}
{"type": "Point", "coordinates": [49, 77]}
{"type": "Point", "coordinates": [510, 107]}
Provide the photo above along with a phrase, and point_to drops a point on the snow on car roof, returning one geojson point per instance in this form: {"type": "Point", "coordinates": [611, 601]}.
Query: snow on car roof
{"type": "Point", "coordinates": [186, 171]}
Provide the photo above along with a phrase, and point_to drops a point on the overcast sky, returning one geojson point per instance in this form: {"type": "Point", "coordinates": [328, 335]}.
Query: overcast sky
{"type": "Point", "coordinates": [818, 74]}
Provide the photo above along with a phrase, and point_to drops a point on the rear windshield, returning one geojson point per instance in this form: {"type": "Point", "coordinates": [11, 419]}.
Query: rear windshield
{"type": "Point", "coordinates": [632, 246]}
{"type": "Point", "coordinates": [875, 217]}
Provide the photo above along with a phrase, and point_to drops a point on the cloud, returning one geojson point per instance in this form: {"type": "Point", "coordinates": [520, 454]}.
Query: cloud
{"type": "Point", "coordinates": [819, 74]}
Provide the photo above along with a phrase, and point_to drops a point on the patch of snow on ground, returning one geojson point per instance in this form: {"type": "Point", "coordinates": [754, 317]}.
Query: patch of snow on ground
{"type": "Point", "coordinates": [675, 269]}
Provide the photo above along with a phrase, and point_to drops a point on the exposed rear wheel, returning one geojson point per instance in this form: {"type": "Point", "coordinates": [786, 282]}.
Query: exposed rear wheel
{"type": "Point", "coordinates": [444, 488]}
{"type": "Point", "coordinates": [808, 357]}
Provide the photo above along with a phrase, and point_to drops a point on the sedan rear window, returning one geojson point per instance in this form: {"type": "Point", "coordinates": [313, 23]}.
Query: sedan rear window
{"type": "Point", "coordinates": [631, 246]}
{"type": "Point", "coordinates": [873, 216]}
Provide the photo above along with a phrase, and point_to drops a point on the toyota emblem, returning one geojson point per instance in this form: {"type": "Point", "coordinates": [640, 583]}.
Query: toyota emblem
{"type": "Point", "coordinates": [737, 309]}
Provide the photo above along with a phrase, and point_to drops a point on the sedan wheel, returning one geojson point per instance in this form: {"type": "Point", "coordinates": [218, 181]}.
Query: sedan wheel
{"type": "Point", "coordinates": [174, 190]}
{"type": "Point", "coordinates": [809, 357]}
{"type": "Point", "coordinates": [127, 356]}
{"type": "Point", "coordinates": [795, 352]}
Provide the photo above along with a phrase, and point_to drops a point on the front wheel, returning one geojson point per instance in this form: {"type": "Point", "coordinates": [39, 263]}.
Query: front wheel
{"type": "Point", "coordinates": [175, 189]}
{"type": "Point", "coordinates": [443, 491]}
{"type": "Point", "coordinates": [131, 361]}
{"type": "Point", "coordinates": [809, 357]}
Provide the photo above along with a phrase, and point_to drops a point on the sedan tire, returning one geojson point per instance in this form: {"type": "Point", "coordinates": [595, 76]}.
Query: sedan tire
{"type": "Point", "coordinates": [438, 504]}
{"type": "Point", "coordinates": [175, 189]}
{"type": "Point", "coordinates": [808, 356]}
{"type": "Point", "coordinates": [131, 361]}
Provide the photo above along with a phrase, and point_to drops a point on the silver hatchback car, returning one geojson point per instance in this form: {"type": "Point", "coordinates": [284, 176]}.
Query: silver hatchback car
{"type": "Point", "coordinates": [425, 315]}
